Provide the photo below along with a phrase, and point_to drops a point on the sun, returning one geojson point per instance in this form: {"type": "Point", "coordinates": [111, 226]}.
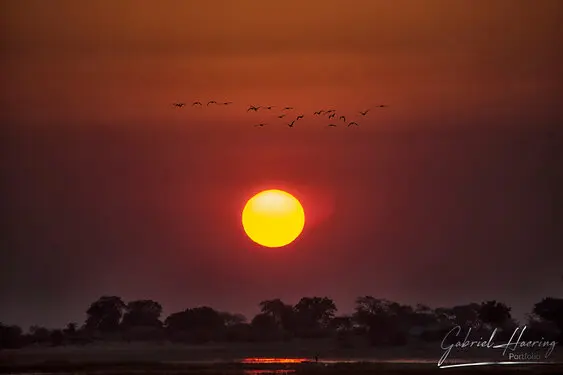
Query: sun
{"type": "Point", "coordinates": [273, 218]}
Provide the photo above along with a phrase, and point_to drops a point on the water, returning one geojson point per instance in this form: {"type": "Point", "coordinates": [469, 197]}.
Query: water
{"type": "Point", "coordinates": [267, 372]}
{"type": "Point", "coordinates": [286, 360]}
{"type": "Point", "coordinates": [283, 366]}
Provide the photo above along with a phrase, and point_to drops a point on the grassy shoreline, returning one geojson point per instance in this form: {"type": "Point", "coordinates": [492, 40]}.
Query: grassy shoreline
{"type": "Point", "coordinates": [128, 358]}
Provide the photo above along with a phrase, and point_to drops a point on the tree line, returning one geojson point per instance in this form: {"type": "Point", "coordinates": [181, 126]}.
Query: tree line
{"type": "Point", "coordinates": [375, 321]}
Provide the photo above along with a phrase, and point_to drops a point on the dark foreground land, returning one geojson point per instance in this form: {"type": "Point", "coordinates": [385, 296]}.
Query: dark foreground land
{"type": "Point", "coordinates": [239, 359]}
{"type": "Point", "coordinates": [273, 369]}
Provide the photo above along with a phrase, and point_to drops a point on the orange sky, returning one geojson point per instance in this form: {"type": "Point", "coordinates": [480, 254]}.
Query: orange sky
{"type": "Point", "coordinates": [121, 61]}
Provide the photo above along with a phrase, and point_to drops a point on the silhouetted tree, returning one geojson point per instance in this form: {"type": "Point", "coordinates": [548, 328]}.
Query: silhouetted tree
{"type": "Point", "coordinates": [386, 322]}
{"type": "Point", "coordinates": [551, 310]}
{"type": "Point", "coordinates": [312, 316]}
{"type": "Point", "coordinates": [274, 308]}
{"type": "Point", "coordinates": [142, 313]}
{"type": "Point", "coordinates": [541, 329]}
{"type": "Point", "coordinates": [236, 327]}
{"type": "Point", "coordinates": [105, 314]}
{"type": "Point", "coordinates": [494, 313]}
{"type": "Point", "coordinates": [70, 329]}
{"type": "Point", "coordinates": [39, 335]}
{"type": "Point", "coordinates": [463, 315]}
{"type": "Point", "coordinates": [423, 317]}
{"type": "Point", "coordinates": [199, 324]}
{"type": "Point", "coordinates": [178, 321]}
{"type": "Point", "coordinates": [141, 321]}
{"type": "Point", "coordinates": [342, 323]}
{"type": "Point", "coordinates": [11, 336]}
{"type": "Point", "coordinates": [282, 313]}
{"type": "Point", "coordinates": [430, 324]}
{"type": "Point", "coordinates": [423, 309]}
{"type": "Point", "coordinates": [318, 311]}
{"type": "Point", "coordinates": [265, 328]}
{"type": "Point", "coordinates": [206, 317]}
{"type": "Point", "coordinates": [230, 319]}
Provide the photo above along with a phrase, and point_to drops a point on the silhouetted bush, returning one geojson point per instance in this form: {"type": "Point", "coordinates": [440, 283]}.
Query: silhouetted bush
{"type": "Point", "coordinates": [238, 332]}
{"type": "Point", "coordinates": [434, 335]}
{"type": "Point", "coordinates": [144, 333]}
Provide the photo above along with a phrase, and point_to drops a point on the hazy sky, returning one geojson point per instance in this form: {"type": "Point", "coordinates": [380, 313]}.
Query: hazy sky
{"type": "Point", "coordinates": [451, 194]}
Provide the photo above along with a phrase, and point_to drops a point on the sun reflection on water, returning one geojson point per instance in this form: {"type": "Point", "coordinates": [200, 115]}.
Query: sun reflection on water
{"type": "Point", "coordinates": [274, 360]}
{"type": "Point", "coordinates": [267, 372]}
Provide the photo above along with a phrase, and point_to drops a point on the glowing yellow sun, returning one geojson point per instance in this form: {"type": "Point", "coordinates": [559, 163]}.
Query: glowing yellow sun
{"type": "Point", "coordinates": [273, 218]}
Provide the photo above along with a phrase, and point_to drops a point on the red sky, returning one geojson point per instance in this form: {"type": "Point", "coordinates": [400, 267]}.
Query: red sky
{"type": "Point", "coordinates": [451, 194]}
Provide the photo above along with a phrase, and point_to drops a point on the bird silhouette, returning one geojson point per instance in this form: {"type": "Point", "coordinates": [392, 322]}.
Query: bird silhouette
{"type": "Point", "coordinates": [281, 116]}
{"type": "Point", "coordinates": [269, 107]}
{"type": "Point", "coordinates": [332, 115]}
{"type": "Point", "coordinates": [382, 106]}
{"type": "Point", "coordinates": [364, 112]}
{"type": "Point", "coordinates": [211, 102]}
{"type": "Point", "coordinates": [179, 105]}
{"type": "Point", "coordinates": [253, 108]}
{"type": "Point", "coordinates": [318, 112]}
{"type": "Point", "coordinates": [260, 124]}
{"type": "Point", "coordinates": [196, 103]}
{"type": "Point", "coordinates": [287, 108]}
{"type": "Point", "coordinates": [332, 125]}
{"type": "Point", "coordinates": [343, 118]}
{"type": "Point", "coordinates": [299, 117]}
{"type": "Point", "coordinates": [353, 123]}
{"type": "Point", "coordinates": [227, 103]}
{"type": "Point", "coordinates": [330, 111]}
{"type": "Point", "coordinates": [291, 124]}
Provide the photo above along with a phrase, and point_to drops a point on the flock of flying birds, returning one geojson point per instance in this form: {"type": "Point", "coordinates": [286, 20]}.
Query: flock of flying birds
{"type": "Point", "coordinates": [331, 114]}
